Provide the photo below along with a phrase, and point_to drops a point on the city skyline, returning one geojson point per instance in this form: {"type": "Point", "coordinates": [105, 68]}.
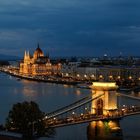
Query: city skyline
{"type": "Point", "coordinates": [70, 28]}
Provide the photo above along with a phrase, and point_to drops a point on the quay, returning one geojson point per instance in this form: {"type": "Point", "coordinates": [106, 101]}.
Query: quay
{"type": "Point", "coordinates": [59, 80]}
{"type": "Point", "coordinates": [40, 78]}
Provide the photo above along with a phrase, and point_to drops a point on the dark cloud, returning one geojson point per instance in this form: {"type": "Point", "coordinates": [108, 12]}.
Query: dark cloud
{"type": "Point", "coordinates": [70, 27]}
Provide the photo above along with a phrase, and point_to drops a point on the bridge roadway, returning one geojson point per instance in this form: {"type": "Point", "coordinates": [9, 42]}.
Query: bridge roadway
{"type": "Point", "coordinates": [81, 102]}
{"type": "Point", "coordinates": [85, 118]}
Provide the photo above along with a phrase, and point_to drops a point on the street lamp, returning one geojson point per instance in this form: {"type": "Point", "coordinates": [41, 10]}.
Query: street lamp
{"type": "Point", "coordinates": [78, 75]}
{"type": "Point", "coordinates": [73, 113]}
{"type": "Point", "coordinates": [110, 77]}
{"type": "Point", "coordinates": [92, 76]}
{"type": "Point", "coordinates": [85, 76]}
{"type": "Point", "coordinates": [101, 76]}
{"type": "Point", "coordinates": [82, 114]}
{"type": "Point", "coordinates": [130, 77]}
{"type": "Point", "coordinates": [119, 77]}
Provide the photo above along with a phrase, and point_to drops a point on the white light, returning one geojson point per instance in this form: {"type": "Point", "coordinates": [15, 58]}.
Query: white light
{"type": "Point", "coordinates": [85, 75]}
{"type": "Point", "coordinates": [78, 75]}
{"type": "Point", "coordinates": [119, 77]}
{"type": "Point", "coordinates": [123, 105]}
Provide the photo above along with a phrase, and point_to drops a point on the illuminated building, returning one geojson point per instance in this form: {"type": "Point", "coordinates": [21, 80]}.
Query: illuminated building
{"type": "Point", "coordinates": [38, 64]}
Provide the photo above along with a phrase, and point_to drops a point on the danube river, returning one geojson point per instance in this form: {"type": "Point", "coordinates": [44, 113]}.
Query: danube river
{"type": "Point", "coordinates": [51, 97]}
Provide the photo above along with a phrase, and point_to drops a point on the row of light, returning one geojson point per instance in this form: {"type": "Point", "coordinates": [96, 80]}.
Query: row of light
{"type": "Point", "coordinates": [100, 76]}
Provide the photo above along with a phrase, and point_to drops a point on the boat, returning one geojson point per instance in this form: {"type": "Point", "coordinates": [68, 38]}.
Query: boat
{"type": "Point", "coordinates": [84, 85]}
{"type": "Point", "coordinates": [125, 89]}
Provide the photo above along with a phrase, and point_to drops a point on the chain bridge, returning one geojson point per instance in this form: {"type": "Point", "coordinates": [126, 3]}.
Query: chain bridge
{"type": "Point", "coordinates": [103, 104]}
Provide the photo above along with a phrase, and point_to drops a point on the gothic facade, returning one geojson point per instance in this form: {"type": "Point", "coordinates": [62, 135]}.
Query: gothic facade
{"type": "Point", "coordinates": [38, 64]}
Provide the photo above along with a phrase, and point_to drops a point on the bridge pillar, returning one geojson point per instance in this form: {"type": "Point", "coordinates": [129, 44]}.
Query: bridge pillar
{"type": "Point", "coordinates": [108, 101]}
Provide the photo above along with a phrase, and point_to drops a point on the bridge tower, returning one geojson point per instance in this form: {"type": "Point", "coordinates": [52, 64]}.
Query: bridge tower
{"type": "Point", "coordinates": [108, 101]}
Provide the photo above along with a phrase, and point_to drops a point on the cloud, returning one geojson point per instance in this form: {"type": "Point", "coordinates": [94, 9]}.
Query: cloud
{"type": "Point", "coordinates": [70, 26]}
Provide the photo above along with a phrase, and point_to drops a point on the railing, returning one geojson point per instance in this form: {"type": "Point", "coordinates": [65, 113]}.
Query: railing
{"type": "Point", "coordinates": [85, 118]}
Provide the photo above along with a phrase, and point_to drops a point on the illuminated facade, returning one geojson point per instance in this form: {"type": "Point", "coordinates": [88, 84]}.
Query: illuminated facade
{"type": "Point", "coordinates": [108, 101]}
{"type": "Point", "coordinates": [38, 64]}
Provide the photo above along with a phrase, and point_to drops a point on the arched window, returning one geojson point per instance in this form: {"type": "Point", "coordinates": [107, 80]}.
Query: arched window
{"type": "Point", "coordinates": [99, 106]}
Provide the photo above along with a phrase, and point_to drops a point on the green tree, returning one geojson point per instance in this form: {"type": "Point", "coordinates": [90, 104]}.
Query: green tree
{"type": "Point", "coordinates": [27, 118]}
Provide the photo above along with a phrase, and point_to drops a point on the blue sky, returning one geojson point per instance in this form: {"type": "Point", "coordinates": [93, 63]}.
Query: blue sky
{"type": "Point", "coordinates": [70, 27]}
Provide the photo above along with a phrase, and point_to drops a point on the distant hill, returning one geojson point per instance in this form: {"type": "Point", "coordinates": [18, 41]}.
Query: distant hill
{"type": "Point", "coordinates": [8, 57]}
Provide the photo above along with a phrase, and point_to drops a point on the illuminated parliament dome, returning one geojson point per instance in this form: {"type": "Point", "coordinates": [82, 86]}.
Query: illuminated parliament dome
{"type": "Point", "coordinates": [38, 53]}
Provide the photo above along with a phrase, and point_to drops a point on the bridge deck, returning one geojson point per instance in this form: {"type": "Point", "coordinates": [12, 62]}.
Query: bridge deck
{"type": "Point", "coordinates": [90, 117]}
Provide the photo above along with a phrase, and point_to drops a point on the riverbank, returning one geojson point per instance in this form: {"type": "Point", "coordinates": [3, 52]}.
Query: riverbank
{"type": "Point", "coordinates": [42, 79]}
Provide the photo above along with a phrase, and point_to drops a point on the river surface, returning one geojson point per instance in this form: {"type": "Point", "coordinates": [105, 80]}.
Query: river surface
{"type": "Point", "coordinates": [53, 96]}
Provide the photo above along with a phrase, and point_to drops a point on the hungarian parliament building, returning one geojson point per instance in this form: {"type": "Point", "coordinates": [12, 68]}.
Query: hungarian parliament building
{"type": "Point", "coordinates": [38, 64]}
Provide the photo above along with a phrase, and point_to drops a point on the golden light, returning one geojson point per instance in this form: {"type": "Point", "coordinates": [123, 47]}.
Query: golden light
{"type": "Point", "coordinates": [119, 77]}
{"type": "Point", "coordinates": [130, 77]}
{"type": "Point", "coordinates": [78, 92]}
{"type": "Point", "coordinates": [101, 76]}
{"type": "Point", "coordinates": [112, 124]}
{"type": "Point", "coordinates": [104, 85]}
{"type": "Point", "coordinates": [93, 111]}
{"type": "Point", "coordinates": [111, 77]}
{"type": "Point", "coordinates": [100, 123]}
{"type": "Point", "coordinates": [93, 124]}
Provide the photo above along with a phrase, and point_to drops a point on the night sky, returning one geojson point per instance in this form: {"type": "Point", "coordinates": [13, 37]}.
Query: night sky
{"type": "Point", "coordinates": [70, 27]}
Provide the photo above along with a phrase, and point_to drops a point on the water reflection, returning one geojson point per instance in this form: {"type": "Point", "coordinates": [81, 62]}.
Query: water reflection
{"type": "Point", "coordinates": [28, 90]}
{"type": "Point", "coordinates": [78, 92]}
{"type": "Point", "coordinates": [104, 130]}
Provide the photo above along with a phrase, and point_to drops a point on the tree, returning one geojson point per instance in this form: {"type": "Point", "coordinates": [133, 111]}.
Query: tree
{"type": "Point", "coordinates": [27, 118]}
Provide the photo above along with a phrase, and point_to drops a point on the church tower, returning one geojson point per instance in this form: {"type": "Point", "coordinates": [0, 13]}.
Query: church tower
{"type": "Point", "coordinates": [27, 57]}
